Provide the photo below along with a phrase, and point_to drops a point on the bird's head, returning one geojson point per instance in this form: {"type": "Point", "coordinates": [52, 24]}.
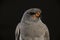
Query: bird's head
{"type": "Point", "coordinates": [32, 15]}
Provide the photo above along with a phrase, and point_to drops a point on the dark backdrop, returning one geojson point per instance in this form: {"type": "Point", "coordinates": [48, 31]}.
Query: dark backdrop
{"type": "Point", "coordinates": [11, 12]}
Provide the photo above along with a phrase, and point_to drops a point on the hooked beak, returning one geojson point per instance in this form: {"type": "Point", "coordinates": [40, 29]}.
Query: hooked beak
{"type": "Point", "coordinates": [36, 15]}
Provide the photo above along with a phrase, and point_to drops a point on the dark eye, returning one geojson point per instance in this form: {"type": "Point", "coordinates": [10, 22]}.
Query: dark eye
{"type": "Point", "coordinates": [31, 13]}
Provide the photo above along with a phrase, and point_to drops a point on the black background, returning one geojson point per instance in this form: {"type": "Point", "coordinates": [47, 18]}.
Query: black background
{"type": "Point", "coordinates": [11, 12]}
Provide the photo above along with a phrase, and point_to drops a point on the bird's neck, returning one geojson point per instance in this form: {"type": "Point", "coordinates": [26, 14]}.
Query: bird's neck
{"type": "Point", "coordinates": [30, 22]}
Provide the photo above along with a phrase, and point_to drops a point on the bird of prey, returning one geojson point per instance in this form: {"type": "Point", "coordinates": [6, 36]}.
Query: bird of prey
{"type": "Point", "coordinates": [31, 27]}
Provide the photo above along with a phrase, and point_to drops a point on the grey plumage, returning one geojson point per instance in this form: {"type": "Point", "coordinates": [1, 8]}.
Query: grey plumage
{"type": "Point", "coordinates": [31, 29]}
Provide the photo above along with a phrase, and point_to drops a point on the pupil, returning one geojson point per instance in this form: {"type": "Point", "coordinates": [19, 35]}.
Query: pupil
{"type": "Point", "coordinates": [31, 13]}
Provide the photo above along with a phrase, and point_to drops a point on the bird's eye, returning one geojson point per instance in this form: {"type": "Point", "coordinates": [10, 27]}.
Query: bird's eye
{"type": "Point", "coordinates": [31, 13]}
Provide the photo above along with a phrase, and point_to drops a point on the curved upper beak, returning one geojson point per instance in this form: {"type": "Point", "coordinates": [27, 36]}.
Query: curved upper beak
{"type": "Point", "coordinates": [36, 15]}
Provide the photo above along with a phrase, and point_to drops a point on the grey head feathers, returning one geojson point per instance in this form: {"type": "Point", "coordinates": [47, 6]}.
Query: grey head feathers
{"type": "Point", "coordinates": [27, 16]}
